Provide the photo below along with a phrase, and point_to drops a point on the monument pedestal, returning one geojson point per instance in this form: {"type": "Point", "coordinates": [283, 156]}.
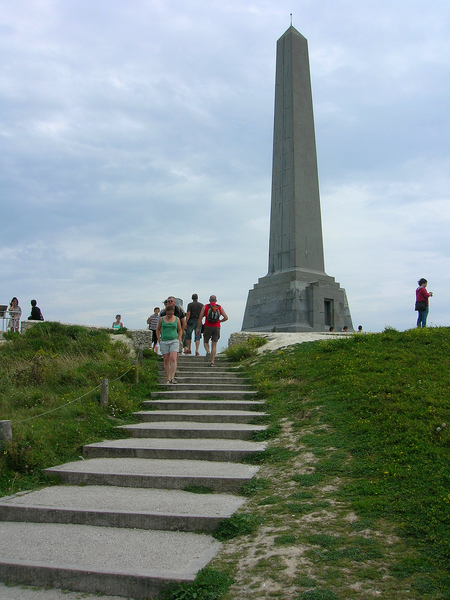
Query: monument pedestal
{"type": "Point", "coordinates": [296, 300]}
{"type": "Point", "coordinates": [296, 295]}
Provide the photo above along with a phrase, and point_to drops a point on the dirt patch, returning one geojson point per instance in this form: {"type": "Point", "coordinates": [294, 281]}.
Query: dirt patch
{"type": "Point", "coordinates": [308, 538]}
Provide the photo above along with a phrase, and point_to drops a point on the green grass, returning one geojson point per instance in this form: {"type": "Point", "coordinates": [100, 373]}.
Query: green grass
{"type": "Point", "coordinates": [208, 585]}
{"type": "Point", "coordinates": [49, 367]}
{"type": "Point", "coordinates": [246, 349]}
{"type": "Point", "coordinates": [370, 413]}
{"type": "Point", "coordinates": [357, 428]}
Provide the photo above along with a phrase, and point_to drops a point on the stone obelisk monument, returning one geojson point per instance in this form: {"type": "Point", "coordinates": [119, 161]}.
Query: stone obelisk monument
{"type": "Point", "coordinates": [296, 294]}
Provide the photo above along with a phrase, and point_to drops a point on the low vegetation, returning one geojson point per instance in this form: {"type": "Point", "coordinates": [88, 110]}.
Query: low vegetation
{"type": "Point", "coordinates": [245, 349]}
{"type": "Point", "coordinates": [352, 499]}
{"type": "Point", "coordinates": [49, 390]}
{"type": "Point", "coordinates": [354, 493]}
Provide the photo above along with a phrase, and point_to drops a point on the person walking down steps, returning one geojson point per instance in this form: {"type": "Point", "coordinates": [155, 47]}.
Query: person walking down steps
{"type": "Point", "coordinates": [169, 332]}
{"type": "Point", "coordinates": [214, 315]}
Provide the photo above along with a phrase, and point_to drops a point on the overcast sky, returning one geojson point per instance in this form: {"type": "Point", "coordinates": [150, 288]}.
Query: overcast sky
{"type": "Point", "coordinates": [136, 152]}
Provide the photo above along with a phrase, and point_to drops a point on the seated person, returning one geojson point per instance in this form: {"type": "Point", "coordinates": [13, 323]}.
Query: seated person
{"type": "Point", "coordinates": [36, 314]}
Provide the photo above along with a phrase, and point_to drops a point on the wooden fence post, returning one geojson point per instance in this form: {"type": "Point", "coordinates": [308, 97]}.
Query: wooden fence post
{"type": "Point", "coordinates": [5, 432]}
{"type": "Point", "coordinates": [136, 366]}
{"type": "Point", "coordinates": [104, 390]}
{"type": "Point", "coordinates": [140, 354]}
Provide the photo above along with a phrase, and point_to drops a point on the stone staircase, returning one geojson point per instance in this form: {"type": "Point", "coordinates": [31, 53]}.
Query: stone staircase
{"type": "Point", "coordinates": [124, 523]}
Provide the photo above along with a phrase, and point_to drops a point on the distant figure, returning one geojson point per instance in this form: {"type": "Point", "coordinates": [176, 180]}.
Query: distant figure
{"type": "Point", "coordinates": [331, 329]}
{"type": "Point", "coordinates": [36, 314]}
{"type": "Point", "coordinates": [212, 313]}
{"type": "Point", "coordinates": [359, 328]}
{"type": "Point", "coordinates": [169, 332]}
{"type": "Point", "coordinates": [152, 325]}
{"type": "Point", "coordinates": [345, 329]}
{"type": "Point", "coordinates": [422, 306]}
{"type": "Point", "coordinates": [194, 309]}
{"type": "Point", "coordinates": [15, 313]}
{"type": "Point", "coordinates": [117, 323]}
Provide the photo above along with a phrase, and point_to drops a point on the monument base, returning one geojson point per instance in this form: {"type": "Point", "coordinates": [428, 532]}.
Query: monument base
{"type": "Point", "coordinates": [297, 300]}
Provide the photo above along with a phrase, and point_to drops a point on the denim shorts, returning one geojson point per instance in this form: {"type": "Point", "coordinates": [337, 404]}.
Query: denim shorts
{"type": "Point", "coordinates": [168, 346]}
{"type": "Point", "coordinates": [192, 326]}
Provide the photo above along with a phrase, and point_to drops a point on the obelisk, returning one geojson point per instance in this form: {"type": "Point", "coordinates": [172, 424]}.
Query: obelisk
{"type": "Point", "coordinates": [296, 294]}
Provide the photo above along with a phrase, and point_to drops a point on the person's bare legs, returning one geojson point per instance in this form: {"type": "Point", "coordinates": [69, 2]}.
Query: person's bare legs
{"type": "Point", "coordinates": [197, 346]}
{"type": "Point", "coordinates": [173, 357]}
{"type": "Point", "coordinates": [213, 351]}
{"type": "Point", "coordinates": [166, 358]}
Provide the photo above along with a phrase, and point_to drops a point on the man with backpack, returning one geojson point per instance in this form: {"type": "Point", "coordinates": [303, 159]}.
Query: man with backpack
{"type": "Point", "coordinates": [214, 316]}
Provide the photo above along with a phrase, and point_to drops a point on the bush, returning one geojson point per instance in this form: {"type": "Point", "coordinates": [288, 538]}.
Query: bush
{"type": "Point", "coordinates": [49, 378]}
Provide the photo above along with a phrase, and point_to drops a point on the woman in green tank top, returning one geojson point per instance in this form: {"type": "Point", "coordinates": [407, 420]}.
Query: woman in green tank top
{"type": "Point", "coordinates": [169, 334]}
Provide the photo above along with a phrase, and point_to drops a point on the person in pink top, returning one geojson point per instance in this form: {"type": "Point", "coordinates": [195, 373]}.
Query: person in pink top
{"type": "Point", "coordinates": [214, 315]}
{"type": "Point", "coordinates": [422, 302]}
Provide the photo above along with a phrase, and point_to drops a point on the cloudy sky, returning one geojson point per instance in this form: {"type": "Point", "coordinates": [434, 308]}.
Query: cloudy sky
{"type": "Point", "coordinates": [136, 149]}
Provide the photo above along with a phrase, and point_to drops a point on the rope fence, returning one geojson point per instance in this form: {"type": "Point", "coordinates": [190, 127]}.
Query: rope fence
{"type": "Point", "coordinates": [5, 426]}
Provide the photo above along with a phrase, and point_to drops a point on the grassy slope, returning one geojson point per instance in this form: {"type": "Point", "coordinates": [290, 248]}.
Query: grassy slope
{"type": "Point", "coordinates": [367, 412]}
{"type": "Point", "coordinates": [372, 411]}
{"type": "Point", "coordinates": [49, 367]}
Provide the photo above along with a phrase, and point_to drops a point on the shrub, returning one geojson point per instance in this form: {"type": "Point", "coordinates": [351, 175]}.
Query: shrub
{"type": "Point", "coordinates": [246, 349]}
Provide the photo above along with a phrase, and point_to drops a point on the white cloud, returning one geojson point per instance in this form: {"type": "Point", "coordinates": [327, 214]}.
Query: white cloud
{"type": "Point", "coordinates": [136, 145]}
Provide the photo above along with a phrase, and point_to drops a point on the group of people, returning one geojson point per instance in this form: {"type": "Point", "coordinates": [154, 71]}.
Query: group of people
{"type": "Point", "coordinates": [173, 328]}
{"type": "Point", "coordinates": [15, 312]}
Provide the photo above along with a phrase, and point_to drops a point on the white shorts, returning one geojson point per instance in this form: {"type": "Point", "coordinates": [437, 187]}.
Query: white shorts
{"type": "Point", "coordinates": [168, 346]}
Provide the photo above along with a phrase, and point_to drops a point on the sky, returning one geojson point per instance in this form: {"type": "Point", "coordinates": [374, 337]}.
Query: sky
{"type": "Point", "coordinates": [136, 153]}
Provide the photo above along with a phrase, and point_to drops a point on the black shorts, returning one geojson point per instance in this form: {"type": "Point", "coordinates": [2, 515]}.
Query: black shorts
{"type": "Point", "coordinates": [154, 338]}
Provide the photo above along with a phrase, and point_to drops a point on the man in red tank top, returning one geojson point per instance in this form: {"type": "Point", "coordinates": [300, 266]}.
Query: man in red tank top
{"type": "Point", "coordinates": [214, 315]}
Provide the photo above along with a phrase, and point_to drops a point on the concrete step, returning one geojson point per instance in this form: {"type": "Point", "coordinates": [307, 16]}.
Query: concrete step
{"type": "Point", "coordinates": [189, 378]}
{"type": "Point", "coordinates": [173, 429]}
{"type": "Point", "coordinates": [173, 392]}
{"type": "Point", "coordinates": [211, 388]}
{"type": "Point", "coordinates": [115, 561]}
{"type": "Point", "coordinates": [201, 367]}
{"type": "Point", "coordinates": [112, 506]}
{"type": "Point", "coordinates": [154, 473]}
{"type": "Point", "coordinates": [204, 405]}
{"type": "Point", "coordinates": [186, 449]}
{"type": "Point", "coordinates": [198, 416]}
{"type": "Point", "coordinates": [188, 358]}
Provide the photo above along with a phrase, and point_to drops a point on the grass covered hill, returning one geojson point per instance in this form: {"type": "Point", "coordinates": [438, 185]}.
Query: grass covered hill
{"type": "Point", "coordinates": [352, 499]}
{"type": "Point", "coordinates": [55, 371]}
{"type": "Point", "coordinates": [356, 480]}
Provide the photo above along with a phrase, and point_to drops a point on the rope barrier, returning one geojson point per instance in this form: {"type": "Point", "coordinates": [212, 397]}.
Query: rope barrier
{"type": "Point", "coordinates": [72, 401]}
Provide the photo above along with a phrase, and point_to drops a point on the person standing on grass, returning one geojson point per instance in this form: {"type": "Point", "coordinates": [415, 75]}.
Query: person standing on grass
{"type": "Point", "coordinates": [169, 334]}
{"type": "Point", "coordinates": [15, 313]}
{"type": "Point", "coordinates": [214, 316]}
{"type": "Point", "coordinates": [117, 323]}
{"type": "Point", "coordinates": [422, 306]}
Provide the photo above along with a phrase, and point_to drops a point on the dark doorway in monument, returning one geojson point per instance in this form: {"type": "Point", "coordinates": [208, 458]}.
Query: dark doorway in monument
{"type": "Point", "coordinates": [328, 309]}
